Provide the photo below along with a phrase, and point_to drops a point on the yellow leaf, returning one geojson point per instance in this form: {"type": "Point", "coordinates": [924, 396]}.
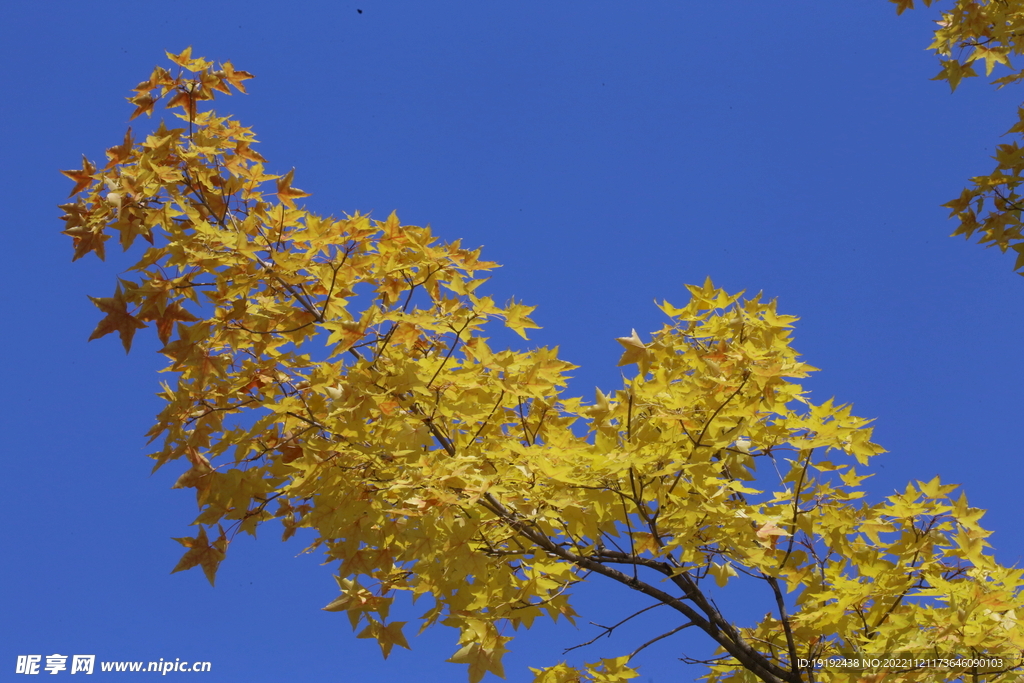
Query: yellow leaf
{"type": "Point", "coordinates": [286, 193]}
{"type": "Point", "coordinates": [386, 635]}
{"type": "Point", "coordinates": [992, 56]}
{"type": "Point", "coordinates": [516, 318]}
{"type": "Point", "coordinates": [636, 352]}
{"type": "Point", "coordinates": [481, 660]}
{"type": "Point", "coordinates": [768, 534]}
{"type": "Point", "coordinates": [722, 573]}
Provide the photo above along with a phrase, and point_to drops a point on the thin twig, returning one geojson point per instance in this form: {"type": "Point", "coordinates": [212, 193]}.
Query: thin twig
{"type": "Point", "coordinates": [608, 629]}
{"type": "Point", "coordinates": [652, 641]}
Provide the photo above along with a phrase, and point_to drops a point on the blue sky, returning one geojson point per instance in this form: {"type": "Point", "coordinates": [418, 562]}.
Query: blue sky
{"type": "Point", "coordinates": [606, 154]}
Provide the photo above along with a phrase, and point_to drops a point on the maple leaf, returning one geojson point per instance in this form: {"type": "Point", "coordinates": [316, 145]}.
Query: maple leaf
{"type": "Point", "coordinates": [480, 660]}
{"type": "Point", "coordinates": [186, 61]}
{"type": "Point", "coordinates": [636, 352]}
{"type": "Point", "coordinates": [129, 225]}
{"type": "Point", "coordinates": [180, 59]}
{"type": "Point", "coordinates": [118, 319]}
{"type": "Point", "coordinates": [768, 534]}
{"type": "Point", "coordinates": [286, 193]}
{"type": "Point", "coordinates": [186, 99]}
{"type": "Point", "coordinates": [601, 408]}
{"type": "Point", "coordinates": [953, 72]}
{"type": "Point", "coordinates": [171, 314]}
{"type": "Point", "coordinates": [120, 153]}
{"type": "Point", "coordinates": [517, 318]}
{"type": "Point", "coordinates": [235, 76]}
{"type": "Point", "coordinates": [201, 552]}
{"type": "Point", "coordinates": [83, 178]}
{"type": "Point", "coordinates": [187, 345]}
{"type": "Point", "coordinates": [143, 105]}
{"type": "Point", "coordinates": [386, 635]}
{"type": "Point", "coordinates": [902, 5]}
{"type": "Point", "coordinates": [88, 239]}
{"type": "Point", "coordinates": [991, 57]}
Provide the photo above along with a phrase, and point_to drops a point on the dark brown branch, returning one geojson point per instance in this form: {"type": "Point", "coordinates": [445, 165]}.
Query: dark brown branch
{"type": "Point", "coordinates": [489, 416]}
{"type": "Point", "coordinates": [629, 417]}
{"type": "Point", "coordinates": [629, 530]}
{"type": "Point", "coordinates": [310, 308]}
{"type": "Point", "coordinates": [442, 439]}
{"type": "Point", "coordinates": [796, 508]}
{"type": "Point", "coordinates": [455, 343]}
{"type": "Point", "coordinates": [238, 326]}
{"type": "Point", "coordinates": [780, 601]}
{"type": "Point", "coordinates": [714, 624]}
{"type": "Point", "coordinates": [522, 421]}
{"type": "Point", "coordinates": [330, 290]}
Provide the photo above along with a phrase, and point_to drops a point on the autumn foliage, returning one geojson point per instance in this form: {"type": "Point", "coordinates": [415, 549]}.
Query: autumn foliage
{"type": "Point", "coordinates": [988, 32]}
{"type": "Point", "coordinates": [333, 374]}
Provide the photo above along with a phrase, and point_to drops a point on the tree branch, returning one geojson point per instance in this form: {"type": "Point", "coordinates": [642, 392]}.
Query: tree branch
{"type": "Point", "coordinates": [714, 625]}
{"type": "Point", "coordinates": [608, 629]}
{"type": "Point", "coordinates": [652, 641]}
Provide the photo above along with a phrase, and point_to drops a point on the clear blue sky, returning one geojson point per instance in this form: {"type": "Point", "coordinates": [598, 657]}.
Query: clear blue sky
{"type": "Point", "coordinates": [606, 153]}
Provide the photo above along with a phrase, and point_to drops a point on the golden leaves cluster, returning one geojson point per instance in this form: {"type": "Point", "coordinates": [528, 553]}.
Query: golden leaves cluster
{"type": "Point", "coordinates": [333, 374]}
{"type": "Point", "coordinates": [986, 31]}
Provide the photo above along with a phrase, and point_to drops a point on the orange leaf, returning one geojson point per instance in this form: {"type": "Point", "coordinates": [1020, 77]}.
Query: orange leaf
{"type": "Point", "coordinates": [87, 239]}
{"type": "Point", "coordinates": [186, 61]}
{"type": "Point", "coordinates": [82, 178]}
{"type": "Point", "coordinates": [183, 58]}
{"type": "Point", "coordinates": [184, 98]}
{"type": "Point", "coordinates": [235, 76]}
{"type": "Point", "coordinates": [120, 153]}
{"type": "Point", "coordinates": [143, 105]}
{"type": "Point", "coordinates": [118, 319]}
{"type": "Point", "coordinates": [171, 315]}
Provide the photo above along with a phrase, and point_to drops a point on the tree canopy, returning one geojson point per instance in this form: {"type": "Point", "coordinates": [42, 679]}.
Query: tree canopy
{"type": "Point", "coordinates": [334, 374]}
{"type": "Point", "coordinates": [986, 31]}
